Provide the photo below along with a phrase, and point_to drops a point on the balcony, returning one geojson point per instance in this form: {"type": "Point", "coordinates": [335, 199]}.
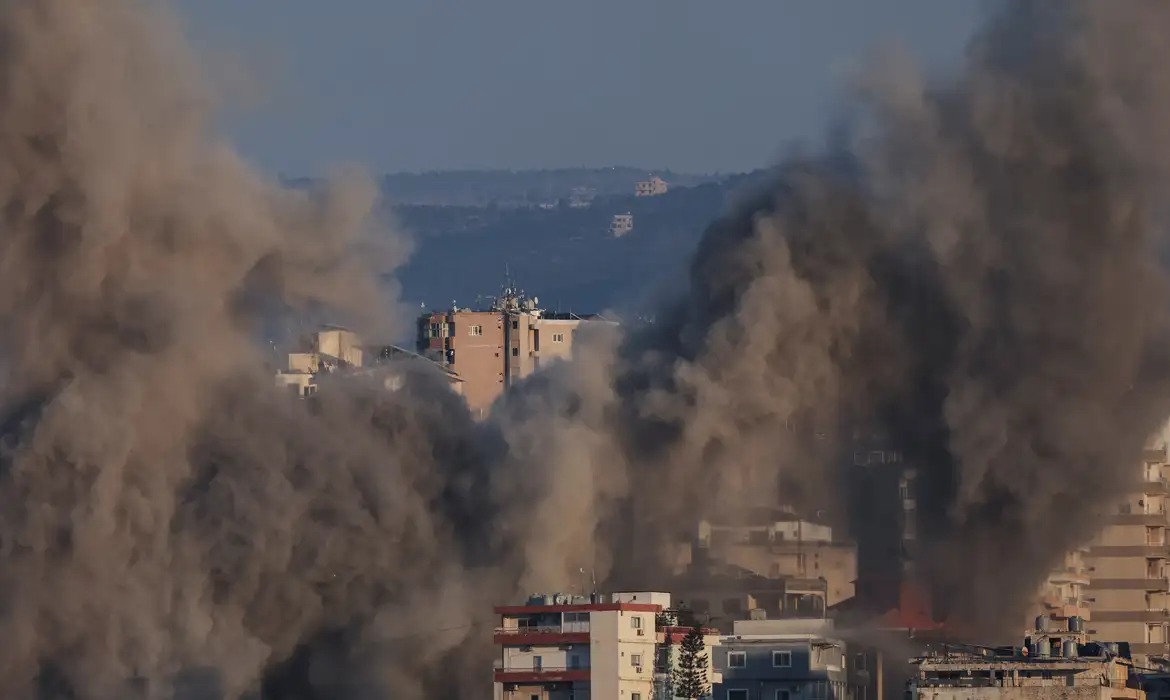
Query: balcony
{"type": "Point", "coordinates": [1070, 575]}
{"type": "Point", "coordinates": [533, 636]}
{"type": "Point", "coordinates": [544, 674]}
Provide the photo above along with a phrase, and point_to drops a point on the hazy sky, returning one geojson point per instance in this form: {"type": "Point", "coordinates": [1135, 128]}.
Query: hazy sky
{"type": "Point", "coordinates": [694, 85]}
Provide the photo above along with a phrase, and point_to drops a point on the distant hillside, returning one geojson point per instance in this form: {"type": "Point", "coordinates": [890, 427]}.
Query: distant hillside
{"type": "Point", "coordinates": [508, 188]}
{"type": "Point", "coordinates": [515, 188]}
{"type": "Point", "coordinates": [565, 256]}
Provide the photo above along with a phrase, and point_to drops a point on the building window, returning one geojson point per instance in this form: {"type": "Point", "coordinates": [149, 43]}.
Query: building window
{"type": "Point", "coordinates": [737, 694]}
{"type": "Point", "coordinates": [859, 662]}
{"type": "Point", "coordinates": [736, 659]}
{"type": "Point", "coordinates": [819, 690]}
{"type": "Point", "coordinates": [475, 330]}
{"type": "Point", "coordinates": [515, 352]}
{"type": "Point", "coordinates": [635, 696]}
{"type": "Point", "coordinates": [515, 325]}
{"type": "Point", "coordinates": [558, 337]}
{"type": "Point", "coordinates": [781, 695]}
{"type": "Point", "coordinates": [781, 659]}
{"type": "Point", "coordinates": [636, 660]}
{"type": "Point", "coordinates": [574, 661]}
{"type": "Point", "coordinates": [636, 622]}
{"type": "Point", "coordinates": [537, 663]}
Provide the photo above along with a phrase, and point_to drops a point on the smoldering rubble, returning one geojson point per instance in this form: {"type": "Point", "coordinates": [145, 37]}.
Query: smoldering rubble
{"type": "Point", "coordinates": [974, 267]}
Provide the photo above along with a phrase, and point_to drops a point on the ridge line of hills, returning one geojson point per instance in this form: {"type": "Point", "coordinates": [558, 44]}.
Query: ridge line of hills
{"type": "Point", "coordinates": [470, 226]}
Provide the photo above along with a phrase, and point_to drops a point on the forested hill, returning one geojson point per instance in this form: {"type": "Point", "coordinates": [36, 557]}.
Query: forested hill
{"type": "Point", "coordinates": [565, 256]}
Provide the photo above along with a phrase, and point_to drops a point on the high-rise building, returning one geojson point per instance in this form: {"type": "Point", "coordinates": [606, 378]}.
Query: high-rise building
{"type": "Point", "coordinates": [1128, 585]}
{"type": "Point", "coordinates": [883, 510]}
{"type": "Point", "coordinates": [489, 350]}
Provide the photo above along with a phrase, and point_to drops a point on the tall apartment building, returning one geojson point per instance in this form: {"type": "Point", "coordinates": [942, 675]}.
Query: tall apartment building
{"type": "Point", "coordinates": [562, 647]}
{"type": "Point", "coordinates": [1128, 585]}
{"type": "Point", "coordinates": [492, 349]}
{"type": "Point", "coordinates": [883, 500]}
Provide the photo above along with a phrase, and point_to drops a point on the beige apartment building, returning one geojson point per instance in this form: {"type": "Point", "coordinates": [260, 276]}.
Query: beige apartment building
{"type": "Point", "coordinates": [1064, 594]}
{"type": "Point", "coordinates": [1128, 583]}
{"type": "Point", "coordinates": [564, 647]}
{"type": "Point", "coordinates": [778, 544]}
{"type": "Point", "coordinates": [491, 350]}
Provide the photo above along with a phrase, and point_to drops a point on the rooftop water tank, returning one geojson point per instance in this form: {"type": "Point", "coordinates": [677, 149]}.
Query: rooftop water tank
{"type": "Point", "coordinates": [1076, 624]}
{"type": "Point", "coordinates": [1070, 649]}
{"type": "Point", "coordinates": [1043, 648]}
{"type": "Point", "coordinates": [1041, 623]}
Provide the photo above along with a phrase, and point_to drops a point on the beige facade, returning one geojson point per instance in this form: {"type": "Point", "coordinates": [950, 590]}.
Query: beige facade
{"type": "Point", "coordinates": [1128, 583]}
{"type": "Point", "coordinates": [337, 347]}
{"type": "Point", "coordinates": [784, 548]}
{"type": "Point", "coordinates": [339, 350]}
{"type": "Point", "coordinates": [651, 187]}
{"type": "Point", "coordinates": [1064, 594]}
{"type": "Point", "coordinates": [566, 647]}
{"type": "Point", "coordinates": [470, 344]}
{"type": "Point", "coordinates": [491, 350]}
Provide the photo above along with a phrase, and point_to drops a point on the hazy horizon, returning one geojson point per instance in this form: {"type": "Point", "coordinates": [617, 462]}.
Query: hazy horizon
{"type": "Point", "coordinates": [416, 86]}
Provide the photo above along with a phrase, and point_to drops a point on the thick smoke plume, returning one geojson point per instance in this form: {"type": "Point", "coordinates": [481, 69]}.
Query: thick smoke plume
{"type": "Point", "coordinates": [974, 269]}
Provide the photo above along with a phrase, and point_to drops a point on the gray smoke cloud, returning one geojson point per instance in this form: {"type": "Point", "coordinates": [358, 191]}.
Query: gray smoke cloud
{"type": "Point", "coordinates": [975, 268]}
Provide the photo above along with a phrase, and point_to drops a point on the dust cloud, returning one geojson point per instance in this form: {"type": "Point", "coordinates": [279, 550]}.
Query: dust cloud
{"type": "Point", "coordinates": [973, 268]}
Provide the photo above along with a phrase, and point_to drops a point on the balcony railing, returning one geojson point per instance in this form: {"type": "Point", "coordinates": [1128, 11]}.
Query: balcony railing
{"type": "Point", "coordinates": [543, 669]}
{"type": "Point", "coordinates": [549, 629]}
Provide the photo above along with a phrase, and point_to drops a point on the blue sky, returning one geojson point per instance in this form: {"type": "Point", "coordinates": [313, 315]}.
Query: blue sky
{"type": "Point", "coordinates": [693, 85]}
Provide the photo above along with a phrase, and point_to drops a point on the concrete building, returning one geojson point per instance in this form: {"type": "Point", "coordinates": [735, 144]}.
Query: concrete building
{"type": "Point", "coordinates": [336, 350]}
{"type": "Point", "coordinates": [1086, 672]}
{"type": "Point", "coordinates": [777, 544]}
{"type": "Point", "coordinates": [562, 647]}
{"type": "Point", "coordinates": [718, 596]}
{"type": "Point", "coordinates": [471, 345]}
{"type": "Point", "coordinates": [492, 349]}
{"type": "Point", "coordinates": [621, 224]}
{"type": "Point", "coordinates": [1063, 595]}
{"type": "Point", "coordinates": [883, 507]}
{"type": "Point", "coordinates": [757, 662]}
{"type": "Point", "coordinates": [1128, 585]}
{"type": "Point", "coordinates": [651, 187]}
